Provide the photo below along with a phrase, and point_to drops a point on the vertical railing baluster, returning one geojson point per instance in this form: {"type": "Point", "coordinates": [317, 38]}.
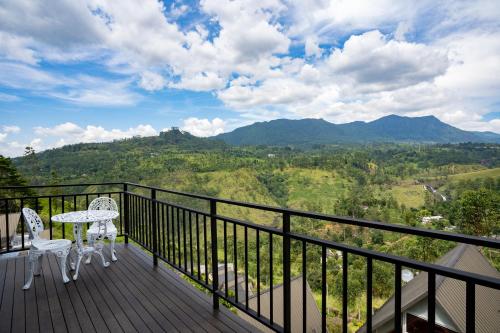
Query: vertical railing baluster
{"type": "Point", "coordinates": [287, 298]}
{"type": "Point", "coordinates": [257, 242]}
{"type": "Point", "coordinates": [177, 216]}
{"type": "Point", "coordinates": [304, 286]}
{"type": "Point", "coordinates": [369, 268]}
{"type": "Point", "coordinates": [163, 230]}
{"type": "Point", "coordinates": [205, 247]}
{"type": "Point", "coordinates": [198, 246]}
{"type": "Point", "coordinates": [271, 287]}
{"type": "Point", "coordinates": [397, 299]}
{"type": "Point", "coordinates": [125, 211]}
{"type": "Point", "coordinates": [225, 260]}
{"type": "Point", "coordinates": [324, 289]}
{"type": "Point", "coordinates": [184, 240]}
{"type": "Point", "coordinates": [7, 224]}
{"type": "Point", "coordinates": [167, 207]}
{"type": "Point", "coordinates": [431, 301]}
{"type": "Point", "coordinates": [470, 307]}
{"type": "Point", "coordinates": [215, 268]}
{"type": "Point", "coordinates": [344, 291]}
{"type": "Point", "coordinates": [22, 225]}
{"type": "Point", "coordinates": [235, 263]}
{"type": "Point", "coordinates": [154, 226]}
{"type": "Point", "coordinates": [172, 220]}
{"type": "Point", "coordinates": [191, 242]}
{"type": "Point", "coordinates": [63, 224]}
{"type": "Point", "coordinates": [50, 217]}
{"type": "Point", "coordinates": [74, 203]}
{"type": "Point", "coordinates": [246, 267]}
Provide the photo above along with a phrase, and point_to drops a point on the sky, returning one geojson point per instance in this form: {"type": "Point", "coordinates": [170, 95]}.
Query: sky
{"type": "Point", "coordinates": [100, 70]}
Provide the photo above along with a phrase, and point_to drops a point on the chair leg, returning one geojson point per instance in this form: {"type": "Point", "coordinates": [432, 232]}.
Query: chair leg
{"type": "Point", "coordinates": [33, 258]}
{"type": "Point", "coordinates": [90, 240]}
{"type": "Point", "coordinates": [38, 265]}
{"type": "Point", "coordinates": [63, 255]}
{"type": "Point", "coordinates": [112, 247]}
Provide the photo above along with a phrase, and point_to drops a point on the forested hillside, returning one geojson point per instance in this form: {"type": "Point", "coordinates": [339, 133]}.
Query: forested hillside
{"type": "Point", "coordinates": [307, 132]}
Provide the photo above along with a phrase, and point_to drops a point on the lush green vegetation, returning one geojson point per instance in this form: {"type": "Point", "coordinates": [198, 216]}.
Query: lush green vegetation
{"type": "Point", "coordinates": [377, 182]}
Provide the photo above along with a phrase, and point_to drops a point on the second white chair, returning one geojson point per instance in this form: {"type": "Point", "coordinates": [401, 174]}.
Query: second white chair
{"type": "Point", "coordinates": [107, 229]}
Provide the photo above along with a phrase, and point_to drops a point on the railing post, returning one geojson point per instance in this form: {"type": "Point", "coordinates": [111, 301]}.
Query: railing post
{"type": "Point", "coordinates": [154, 223]}
{"type": "Point", "coordinates": [125, 211]}
{"type": "Point", "coordinates": [286, 273]}
{"type": "Point", "coordinates": [215, 260]}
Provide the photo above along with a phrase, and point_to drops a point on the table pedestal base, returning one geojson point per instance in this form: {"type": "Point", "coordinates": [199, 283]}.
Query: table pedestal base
{"type": "Point", "coordinates": [82, 251]}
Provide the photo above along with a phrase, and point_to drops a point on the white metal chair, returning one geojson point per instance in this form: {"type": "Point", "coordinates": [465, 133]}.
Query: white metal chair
{"type": "Point", "coordinates": [39, 246]}
{"type": "Point", "coordinates": [98, 230]}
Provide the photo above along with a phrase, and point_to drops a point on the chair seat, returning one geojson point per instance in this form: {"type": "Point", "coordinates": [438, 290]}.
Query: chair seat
{"type": "Point", "coordinates": [94, 230]}
{"type": "Point", "coordinates": [50, 244]}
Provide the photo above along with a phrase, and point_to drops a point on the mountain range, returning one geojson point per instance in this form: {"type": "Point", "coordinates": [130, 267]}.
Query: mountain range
{"type": "Point", "coordinates": [392, 128]}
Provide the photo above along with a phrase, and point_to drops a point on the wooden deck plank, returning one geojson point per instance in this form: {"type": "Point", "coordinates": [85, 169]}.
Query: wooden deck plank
{"type": "Point", "coordinates": [68, 310]}
{"type": "Point", "coordinates": [18, 319]}
{"type": "Point", "coordinates": [223, 316]}
{"type": "Point", "coordinates": [190, 311]}
{"type": "Point", "coordinates": [3, 272]}
{"type": "Point", "coordinates": [30, 305]}
{"type": "Point", "coordinates": [115, 310]}
{"type": "Point", "coordinates": [164, 301]}
{"type": "Point", "coordinates": [129, 296]}
{"type": "Point", "coordinates": [43, 308]}
{"type": "Point", "coordinates": [8, 297]}
{"type": "Point", "coordinates": [49, 295]}
{"type": "Point", "coordinates": [166, 320]}
{"type": "Point", "coordinates": [128, 305]}
{"type": "Point", "coordinates": [83, 317]}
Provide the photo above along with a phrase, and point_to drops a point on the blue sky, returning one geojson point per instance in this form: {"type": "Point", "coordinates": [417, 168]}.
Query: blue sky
{"type": "Point", "coordinates": [99, 70]}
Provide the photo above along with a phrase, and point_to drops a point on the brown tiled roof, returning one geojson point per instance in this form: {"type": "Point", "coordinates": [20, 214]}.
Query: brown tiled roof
{"type": "Point", "coordinates": [450, 293]}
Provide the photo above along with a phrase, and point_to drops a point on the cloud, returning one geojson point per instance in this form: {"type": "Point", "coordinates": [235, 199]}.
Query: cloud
{"type": "Point", "coordinates": [8, 98]}
{"type": "Point", "coordinates": [72, 133]}
{"type": "Point", "coordinates": [11, 129]}
{"type": "Point", "coordinates": [152, 81]}
{"type": "Point", "coordinates": [204, 127]}
{"type": "Point", "coordinates": [374, 60]}
{"type": "Point", "coordinates": [3, 136]}
{"type": "Point", "coordinates": [376, 57]}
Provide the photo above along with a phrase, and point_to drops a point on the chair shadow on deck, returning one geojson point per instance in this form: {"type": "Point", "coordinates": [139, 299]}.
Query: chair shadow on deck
{"type": "Point", "coordinates": [131, 295]}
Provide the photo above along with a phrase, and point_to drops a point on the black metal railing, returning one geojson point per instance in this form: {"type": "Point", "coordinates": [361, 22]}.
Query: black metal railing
{"type": "Point", "coordinates": [202, 244]}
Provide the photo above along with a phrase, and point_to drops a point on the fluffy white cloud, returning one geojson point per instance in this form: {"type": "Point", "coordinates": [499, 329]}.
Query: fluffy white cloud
{"type": "Point", "coordinates": [72, 133]}
{"type": "Point", "coordinates": [11, 129]}
{"type": "Point", "coordinates": [373, 60]}
{"type": "Point", "coordinates": [152, 81]}
{"type": "Point", "coordinates": [204, 127]}
{"type": "Point", "coordinates": [3, 136]}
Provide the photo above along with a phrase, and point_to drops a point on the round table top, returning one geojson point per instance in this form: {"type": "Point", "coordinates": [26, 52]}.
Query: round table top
{"type": "Point", "coordinates": [85, 216]}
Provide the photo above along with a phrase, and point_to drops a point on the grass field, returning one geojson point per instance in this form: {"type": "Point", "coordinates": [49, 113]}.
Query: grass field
{"type": "Point", "coordinates": [411, 195]}
{"type": "Point", "coordinates": [492, 173]}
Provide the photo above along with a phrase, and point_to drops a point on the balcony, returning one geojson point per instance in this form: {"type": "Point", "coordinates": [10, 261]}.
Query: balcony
{"type": "Point", "coordinates": [173, 241]}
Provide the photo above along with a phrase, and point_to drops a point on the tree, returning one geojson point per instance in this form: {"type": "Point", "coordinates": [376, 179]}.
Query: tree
{"type": "Point", "coordinates": [479, 212]}
{"type": "Point", "coordinates": [9, 176]}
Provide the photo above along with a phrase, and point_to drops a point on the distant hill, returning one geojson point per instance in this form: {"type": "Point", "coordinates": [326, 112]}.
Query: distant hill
{"type": "Point", "coordinates": [391, 128]}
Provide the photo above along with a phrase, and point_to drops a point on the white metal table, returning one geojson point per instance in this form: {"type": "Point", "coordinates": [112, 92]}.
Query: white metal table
{"type": "Point", "coordinates": [79, 218]}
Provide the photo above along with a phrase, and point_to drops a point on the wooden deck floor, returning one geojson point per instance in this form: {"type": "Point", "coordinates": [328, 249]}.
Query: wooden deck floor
{"type": "Point", "coordinates": [130, 296]}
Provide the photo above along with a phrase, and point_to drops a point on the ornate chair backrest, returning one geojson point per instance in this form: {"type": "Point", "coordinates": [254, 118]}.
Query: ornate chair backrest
{"type": "Point", "coordinates": [103, 203]}
{"type": "Point", "coordinates": [33, 222]}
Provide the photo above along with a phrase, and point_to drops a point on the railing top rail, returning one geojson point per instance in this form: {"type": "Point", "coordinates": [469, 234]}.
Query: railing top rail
{"type": "Point", "coordinates": [57, 185]}
{"type": "Point", "coordinates": [443, 235]}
